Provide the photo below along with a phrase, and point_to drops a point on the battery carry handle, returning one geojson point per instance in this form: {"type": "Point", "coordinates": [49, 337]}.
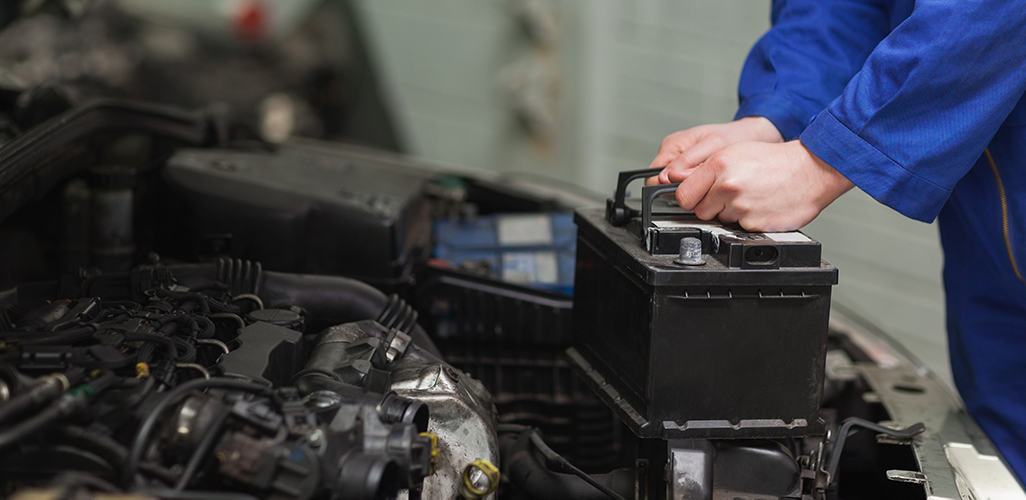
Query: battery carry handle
{"type": "Point", "coordinates": [617, 212]}
{"type": "Point", "coordinates": [648, 196]}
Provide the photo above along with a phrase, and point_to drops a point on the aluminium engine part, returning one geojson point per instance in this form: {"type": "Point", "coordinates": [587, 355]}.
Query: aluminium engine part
{"type": "Point", "coordinates": [691, 469]}
{"type": "Point", "coordinates": [409, 456]}
{"type": "Point", "coordinates": [462, 415]}
{"type": "Point", "coordinates": [702, 469]}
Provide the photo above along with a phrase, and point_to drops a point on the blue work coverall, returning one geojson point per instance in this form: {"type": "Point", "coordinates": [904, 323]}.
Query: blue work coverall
{"type": "Point", "coordinates": [920, 104]}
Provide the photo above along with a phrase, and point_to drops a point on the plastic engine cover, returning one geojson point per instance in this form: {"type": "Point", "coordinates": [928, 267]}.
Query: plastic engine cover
{"type": "Point", "coordinates": [339, 212]}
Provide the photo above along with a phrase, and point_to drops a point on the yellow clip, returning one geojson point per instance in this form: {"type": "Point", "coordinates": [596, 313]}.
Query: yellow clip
{"type": "Point", "coordinates": [480, 478]}
{"type": "Point", "coordinates": [142, 370]}
{"type": "Point", "coordinates": [434, 451]}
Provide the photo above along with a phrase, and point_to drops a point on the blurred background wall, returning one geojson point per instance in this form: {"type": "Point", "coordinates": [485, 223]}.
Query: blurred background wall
{"type": "Point", "coordinates": [577, 90]}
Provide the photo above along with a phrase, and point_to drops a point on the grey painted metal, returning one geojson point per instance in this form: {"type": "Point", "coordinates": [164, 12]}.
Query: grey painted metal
{"type": "Point", "coordinates": [956, 459]}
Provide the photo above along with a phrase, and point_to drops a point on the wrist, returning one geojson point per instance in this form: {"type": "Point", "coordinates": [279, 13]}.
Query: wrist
{"type": "Point", "coordinates": [761, 129]}
{"type": "Point", "coordinates": [831, 183]}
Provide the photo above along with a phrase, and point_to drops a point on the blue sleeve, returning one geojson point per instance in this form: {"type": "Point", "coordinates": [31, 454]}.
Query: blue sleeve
{"type": "Point", "coordinates": [926, 103]}
{"type": "Point", "coordinates": [804, 61]}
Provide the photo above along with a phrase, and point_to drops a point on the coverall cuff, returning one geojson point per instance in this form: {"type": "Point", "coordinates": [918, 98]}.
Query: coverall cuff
{"type": "Point", "coordinates": [872, 171]}
{"type": "Point", "coordinates": [789, 118]}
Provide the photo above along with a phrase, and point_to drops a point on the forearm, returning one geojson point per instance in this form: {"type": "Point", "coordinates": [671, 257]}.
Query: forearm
{"type": "Point", "coordinates": [926, 103]}
{"type": "Point", "coordinates": [804, 61]}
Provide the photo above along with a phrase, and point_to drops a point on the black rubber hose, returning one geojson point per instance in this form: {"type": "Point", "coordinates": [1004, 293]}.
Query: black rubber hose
{"type": "Point", "coordinates": [101, 383]}
{"type": "Point", "coordinates": [61, 407]}
{"type": "Point", "coordinates": [210, 285]}
{"type": "Point", "coordinates": [67, 404]}
{"type": "Point", "coordinates": [48, 390]}
{"type": "Point", "coordinates": [327, 299]}
{"type": "Point", "coordinates": [331, 299]}
{"type": "Point", "coordinates": [198, 298]}
{"type": "Point", "coordinates": [149, 422]}
{"type": "Point", "coordinates": [167, 323]}
{"type": "Point", "coordinates": [524, 471]}
{"type": "Point", "coordinates": [104, 447]}
{"type": "Point", "coordinates": [207, 303]}
{"type": "Point", "coordinates": [140, 393]}
{"type": "Point", "coordinates": [172, 351]}
{"type": "Point", "coordinates": [220, 307]}
{"type": "Point", "coordinates": [69, 483]}
{"type": "Point", "coordinates": [207, 330]}
{"type": "Point", "coordinates": [16, 381]}
{"type": "Point", "coordinates": [186, 350]}
{"type": "Point", "coordinates": [63, 337]}
{"type": "Point", "coordinates": [43, 390]}
{"type": "Point", "coordinates": [145, 353]}
{"type": "Point", "coordinates": [336, 300]}
{"type": "Point", "coordinates": [159, 472]}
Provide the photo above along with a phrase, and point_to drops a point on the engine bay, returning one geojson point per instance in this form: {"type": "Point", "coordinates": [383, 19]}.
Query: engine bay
{"type": "Point", "coordinates": [190, 315]}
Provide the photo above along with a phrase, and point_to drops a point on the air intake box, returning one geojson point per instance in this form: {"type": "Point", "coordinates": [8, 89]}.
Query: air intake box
{"type": "Point", "coordinates": [731, 348]}
{"type": "Point", "coordinates": [336, 210]}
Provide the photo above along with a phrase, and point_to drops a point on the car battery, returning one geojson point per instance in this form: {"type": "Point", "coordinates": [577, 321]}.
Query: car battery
{"type": "Point", "coordinates": [726, 343]}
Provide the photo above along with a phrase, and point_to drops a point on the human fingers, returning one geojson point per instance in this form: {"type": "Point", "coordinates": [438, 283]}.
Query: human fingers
{"type": "Point", "coordinates": [682, 151]}
{"type": "Point", "coordinates": [728, 215]}
{"type": "Point", "coordinates": [680, 167]}
{"type": "Point", "coordinates": [717, 203]}
{"type": "Point", "coordinates": [694, 189]}
{"type": "Point", "coordinates": [676, 143]}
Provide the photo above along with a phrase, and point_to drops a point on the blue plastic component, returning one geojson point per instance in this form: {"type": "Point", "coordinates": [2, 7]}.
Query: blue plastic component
{"type": "Point", "coordinates": [531, 249]}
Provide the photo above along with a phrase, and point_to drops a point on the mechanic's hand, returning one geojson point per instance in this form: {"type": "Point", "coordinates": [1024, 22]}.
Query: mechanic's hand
{"type": "Point", "coordinates": [764, 187]}
{"type": "Point", "coordinates": [682, 151]}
